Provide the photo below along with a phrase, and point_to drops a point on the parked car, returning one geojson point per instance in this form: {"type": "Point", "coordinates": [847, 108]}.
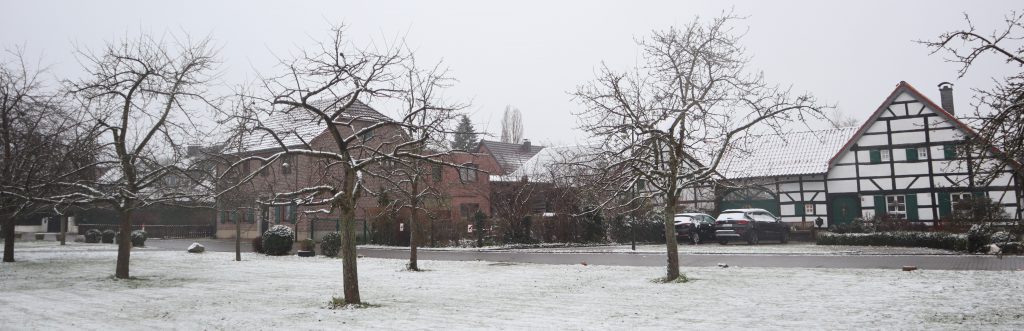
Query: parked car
{"type": "Point", "coordinates": [695, 228]}
{"type": "Point", "coordinates": [751, 225]}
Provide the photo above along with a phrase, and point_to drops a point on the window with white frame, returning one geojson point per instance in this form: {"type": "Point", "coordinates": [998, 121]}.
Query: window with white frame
{"type": "Point", "coordinates": [896, 205]}
{"type": "Point", "coordinates": [885, 155]}
{"type": "Point", "coordinates": [922, 153]}
{"type": "Point", "coordinates": [960, 200]}
{"type": "Point", "coordinates": [809, 209]}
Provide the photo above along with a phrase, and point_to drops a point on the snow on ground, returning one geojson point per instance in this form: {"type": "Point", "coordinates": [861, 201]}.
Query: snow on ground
{"type": "Point", "coordinates": [792, 248]}
{"type": "Point", "coordinates": [71, 288]}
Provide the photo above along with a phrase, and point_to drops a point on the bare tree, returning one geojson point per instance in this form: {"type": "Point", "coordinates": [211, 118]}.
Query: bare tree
{"type": "Point", "coordinates": [323, 88]}
{"type": "Point", "coordinates": [839, 119]}
{"type": "Point", "coordinates": [408, 178]}
{"type": "Point", "coordinates": [693, 97]}
{"type": "Point", "coordinates": [998, 112]}
{"type": "Point", "coordinates": [512, 125]}
{"type": "Point", "coordinates": [38, 135]}
{"type": "Point", "coordinates": [142, 95]}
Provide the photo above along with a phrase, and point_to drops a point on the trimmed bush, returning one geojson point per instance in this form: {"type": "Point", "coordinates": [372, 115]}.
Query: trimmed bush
{"type": "Point", "coordinates": [940, 240]}
{"type": "Point", "coordinates": [1011, 247]}
{"type": "Point", "coordinates": [1002, 237]}
{"type": "Point", "coordinates": [138, 238]}
{"type": "Point", "coordinates": [978, 237]}
{"type": "Point", "coordinates": [331, 244]}
{"type": "Point", "coordinates": [278, 240]}
{"type": "Point", "coordinates": [257, 245]}
{"type": "Point", "coordinates": [93, 236]}
{"type": "Point", "coordinates": [108, 236]}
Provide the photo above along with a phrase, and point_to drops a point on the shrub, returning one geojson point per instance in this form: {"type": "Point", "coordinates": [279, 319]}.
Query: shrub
{"type": "Point", "coordinates": [940, 240]}
{"type": "Point", "coordinates": [650, 229]}
{"type": "Point", "coordinates": [1011, 247]}
{"type": "Point", "coordinates": [108, 236]}
{"type": "Point", "coordinates": [976, 211]}
{"type": "Point", "coordinates": [331, 244]}
{"type": "Point", "coordinates": [1002, 237]}
{"type": "Point", "coordinates": [257, 245]}
{"type": "Point", "coordinates": [278, 240]}
{"type": "Point", "coordinates": [978, 237]}
{"type": "Point", "coordinates": [138, 238]}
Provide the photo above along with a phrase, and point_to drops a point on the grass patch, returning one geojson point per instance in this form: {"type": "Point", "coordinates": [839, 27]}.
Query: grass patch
{"type": "Point", "coordinates": [339, 303]}
{"type": "Point", "coordinates": [682, 279]}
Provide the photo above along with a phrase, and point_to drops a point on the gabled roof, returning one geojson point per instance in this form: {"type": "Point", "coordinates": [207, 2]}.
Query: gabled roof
{"type": "Point", "coordinates": [543, 165]}
{"type": "Point", "coordinates": [904, 87]}
{"type": "Point", "coordinates": [797, 153]}
{"type": "Point", "coordinates": [509, 156]}
{"type": "Point", "coordinates": [297, 126]}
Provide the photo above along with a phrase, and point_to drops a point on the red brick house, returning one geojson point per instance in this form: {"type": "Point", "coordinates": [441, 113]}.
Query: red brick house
{"type": "Point", "coordinates": [463, 191]}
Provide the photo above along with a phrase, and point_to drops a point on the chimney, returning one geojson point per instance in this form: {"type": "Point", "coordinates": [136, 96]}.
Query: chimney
{"type": "Point", "coordinates": [526, 145]}
{"type": "Point", "coordinates": [946, 92]}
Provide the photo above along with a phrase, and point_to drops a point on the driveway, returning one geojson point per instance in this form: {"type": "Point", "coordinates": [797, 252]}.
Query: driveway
{"type": "Point", "coordinates": [648, 257]}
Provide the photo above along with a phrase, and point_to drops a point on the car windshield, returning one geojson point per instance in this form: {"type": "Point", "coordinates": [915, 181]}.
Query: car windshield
{"type": "Point", "coordinates": [681, 218]}
{"type": "Point", "coordinates": [729, 216]}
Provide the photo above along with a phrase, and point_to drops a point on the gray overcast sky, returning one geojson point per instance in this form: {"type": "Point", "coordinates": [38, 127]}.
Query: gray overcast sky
{"type": "Point", "coordinates": [530, 54]}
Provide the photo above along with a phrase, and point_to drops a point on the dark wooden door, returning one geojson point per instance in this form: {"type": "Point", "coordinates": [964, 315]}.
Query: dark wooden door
{"type": "Point", "coordinates": [843, 208]}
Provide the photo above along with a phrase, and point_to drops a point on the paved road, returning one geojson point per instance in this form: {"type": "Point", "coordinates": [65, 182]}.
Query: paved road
{"type": "Point", "coordinates": [935, 262]}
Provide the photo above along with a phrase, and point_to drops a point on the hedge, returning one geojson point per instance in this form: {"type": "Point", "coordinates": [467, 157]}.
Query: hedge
{"type": "Point", "coordinates": [940, 240]}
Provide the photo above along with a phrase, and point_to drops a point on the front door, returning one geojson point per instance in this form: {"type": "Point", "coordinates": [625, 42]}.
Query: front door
{"type": "Point", "coordinates": [843, 208]}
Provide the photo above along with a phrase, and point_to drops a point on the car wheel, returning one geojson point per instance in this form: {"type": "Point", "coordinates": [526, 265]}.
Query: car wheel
{"type": "Point", "coordinates": [695, 238]}
{"type": "Point", "coordinates": [752, 237]}
{"type": "Point", "coordinates": [723, 242]}
{"type": "Point", "coordinates": [785, 237]}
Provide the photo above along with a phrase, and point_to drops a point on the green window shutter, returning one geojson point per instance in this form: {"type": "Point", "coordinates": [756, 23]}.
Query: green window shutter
{"type": "Point", "coordinates": [880, 209]}
{"type": "Point", "coordinates": [950, 151]}
{"type": "Point", "coordinates": [945, 204]}
{"type": "Point", "coordinates": [911, 154]}
{"type": "Point", "coordinates": [978, 194]}
{"type": "Point", "coordinates": [799, 208]}
{"type": "Point", "coordinates": [293, 213]}
{"type": "Point", "coordinates": [912, 207]}
{"type": "Point", "coordinates": [876, 156]}
{"type": "Point", "coordinates": [276, 217]}
{"type": "Point", "coordinates": [223, 217]}
{"type": "Point", "coordinates": [250, 216]}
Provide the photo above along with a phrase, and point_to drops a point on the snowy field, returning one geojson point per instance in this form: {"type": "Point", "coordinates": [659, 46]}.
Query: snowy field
{"type": "Point", "coordinates": [792, 248]}
{"type": "Point", "coordinates": [71, 287]}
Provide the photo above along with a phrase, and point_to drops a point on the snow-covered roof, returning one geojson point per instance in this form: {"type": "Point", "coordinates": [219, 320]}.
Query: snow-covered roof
{"type": "Point", "coordinates": [541, 167]}
{"type": "Point", "coordinates": [796, 153]}
{"type": "Point", "coordinates": [297, 126]}
{"type": "Point", "coordinates": [511, 156]}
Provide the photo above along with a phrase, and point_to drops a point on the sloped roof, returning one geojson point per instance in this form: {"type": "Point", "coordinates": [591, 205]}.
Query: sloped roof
{"type": "Point", "coordinates": [797, 153]}
{"type": "Point", "coordinates": [297, 126]}
{"type": "Point", "coordinates": [539, 167]}
{"type": "Point", "coordinates": [510, 156]}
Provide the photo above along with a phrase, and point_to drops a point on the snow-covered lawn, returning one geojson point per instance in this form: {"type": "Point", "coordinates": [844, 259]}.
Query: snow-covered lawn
{"type": "Point", "coordinates": [71, 288]}
{"type": "Point", "coordinates": [792, 248]}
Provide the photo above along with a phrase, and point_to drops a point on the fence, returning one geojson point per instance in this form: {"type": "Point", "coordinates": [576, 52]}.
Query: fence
{"type": "Point", "coordinates": [159, 231]}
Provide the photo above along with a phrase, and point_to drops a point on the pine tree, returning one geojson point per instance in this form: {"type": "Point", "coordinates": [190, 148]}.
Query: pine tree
{"type": "Point", "coordinates": [465, 135]}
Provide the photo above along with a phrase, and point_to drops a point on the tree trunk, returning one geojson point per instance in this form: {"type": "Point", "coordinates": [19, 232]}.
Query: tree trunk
{"type": "Point", "coordinates": [670, 241]}
{"type": "Point", "coordinates": [8, 223]}
{"type": "Point", "coordinates": [124, 246]}
{"type": "Point", "coordinates": [412, 239]}
{"type": "Point", "coordinates": [349, 275]}
{"type": "Point", "coordinates": [238, 238]}
{"type": "Point", "coordinates": [63, 229]}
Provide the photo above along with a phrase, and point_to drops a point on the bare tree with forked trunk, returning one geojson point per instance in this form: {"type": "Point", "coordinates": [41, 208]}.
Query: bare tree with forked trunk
{"type": "Point", "coordinates": [141, 97]}
{"type": "Point", "coordinates": [667, 123]}
{"type": "Point", "coordinates": [323, 89]}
